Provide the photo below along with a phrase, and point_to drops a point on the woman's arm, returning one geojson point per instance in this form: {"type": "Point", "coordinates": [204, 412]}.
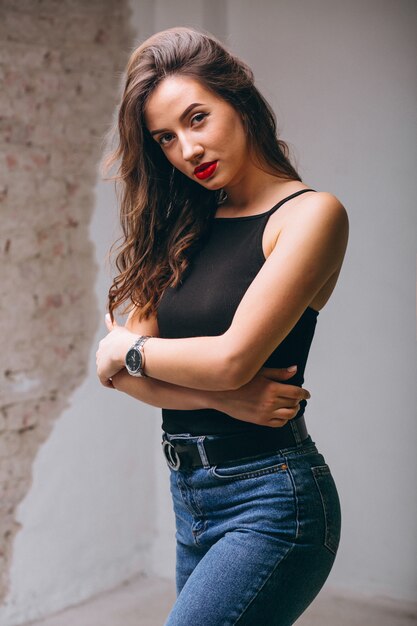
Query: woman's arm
{"type": "Point", "coordinates": [311, 248]}
{"type": "Point", "coordinates": [161, 394]}
{"type": "Point", "coordinates": [264, 400]}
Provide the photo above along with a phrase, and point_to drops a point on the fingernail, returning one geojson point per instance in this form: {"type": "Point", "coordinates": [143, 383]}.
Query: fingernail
{"type": "Point", "coordinates": [292, 368]}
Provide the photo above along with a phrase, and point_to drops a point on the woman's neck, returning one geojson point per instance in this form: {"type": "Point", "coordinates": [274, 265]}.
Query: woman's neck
{"type": "Point", "coordinates": [254, 189]}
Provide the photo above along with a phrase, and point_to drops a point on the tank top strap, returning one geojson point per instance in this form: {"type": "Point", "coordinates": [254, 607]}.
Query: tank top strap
{"type": "Point", "coordinates": [281, 202]}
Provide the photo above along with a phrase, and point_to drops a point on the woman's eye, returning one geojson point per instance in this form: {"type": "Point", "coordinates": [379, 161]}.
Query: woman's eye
{"type": "Point", "coordinates": [164, 139]}
{"type": "Point", "coordinates": [198, 117]}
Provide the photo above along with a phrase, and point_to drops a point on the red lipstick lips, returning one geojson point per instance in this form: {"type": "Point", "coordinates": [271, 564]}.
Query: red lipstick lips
{"type": "Point", "coordinates": [205, 170]}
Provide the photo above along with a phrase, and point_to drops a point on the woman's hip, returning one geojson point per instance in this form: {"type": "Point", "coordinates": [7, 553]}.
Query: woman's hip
{"type": "Point", "coordinates": [289, 495]}
{"type": "Point", "coordinates": [256, 538]}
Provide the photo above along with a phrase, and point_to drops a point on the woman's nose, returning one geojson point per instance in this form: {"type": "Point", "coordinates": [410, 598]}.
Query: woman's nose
{"type": "Point", "coordinates": [191, 150]}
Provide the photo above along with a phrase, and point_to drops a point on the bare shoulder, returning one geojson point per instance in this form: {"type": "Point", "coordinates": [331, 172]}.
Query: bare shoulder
{"type": "Point", "coordinates": [147, 326]}
{"type": "Point", "coordinates": [322, 205]}
{"type": "Point", "coordinates": [318, 212]}
{"type": "Point", "coordinates": [314, 232]}
{"type": "Point", "coordinates": [315, 227]}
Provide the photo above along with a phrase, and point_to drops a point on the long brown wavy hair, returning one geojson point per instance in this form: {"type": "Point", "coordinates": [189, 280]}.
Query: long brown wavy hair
{"type": "Point", "coordinates": [164, 214]}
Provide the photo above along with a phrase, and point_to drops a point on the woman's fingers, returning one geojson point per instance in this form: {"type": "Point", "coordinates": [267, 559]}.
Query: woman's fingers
{"type": "Point", "coordinates": [266, 401]}
{"type": "Point", "coordinates": [291, 392]}
{"type": "Point", "coordinates": [286, 413]}
{"type": "Point", "coordinates": [288, 395]}
{"type": "Point", "coordinates": [278, 373]}
{"type": "Point", "coordinates": [103, 378]}
{"type": "Point", "coordinates": [276, 422]}
{"type": "Point", "coordinates": [106, 382]}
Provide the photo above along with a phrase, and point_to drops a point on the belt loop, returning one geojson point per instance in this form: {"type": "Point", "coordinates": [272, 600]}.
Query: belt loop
{"type": "Point", "coordinates": [295, 432]}
{"type": "Point", "coordinates": [202, 452]}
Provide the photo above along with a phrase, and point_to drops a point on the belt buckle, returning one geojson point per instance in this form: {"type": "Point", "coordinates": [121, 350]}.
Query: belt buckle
{"type": "Point", "coordinates": [171, 456]}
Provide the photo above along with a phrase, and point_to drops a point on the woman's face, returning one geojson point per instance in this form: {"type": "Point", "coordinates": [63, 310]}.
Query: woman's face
{"type": "Point", "coordinates": [201, 134]}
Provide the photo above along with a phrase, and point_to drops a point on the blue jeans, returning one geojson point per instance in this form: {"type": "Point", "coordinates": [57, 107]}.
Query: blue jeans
{"type": "Point", "coordinates": [256, 538]}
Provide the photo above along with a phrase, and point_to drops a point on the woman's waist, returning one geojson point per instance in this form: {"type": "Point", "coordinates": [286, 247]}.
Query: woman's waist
{"type": "Point", "coordinates": [210, 422]}
{"type": "Point", "coordinates": [188, 450]}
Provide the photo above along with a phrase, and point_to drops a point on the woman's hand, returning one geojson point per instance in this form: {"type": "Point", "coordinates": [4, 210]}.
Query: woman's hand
{"type": "Point", "coordinates": [264, 400]}
{"type": "Point", "coordinates": [110, 356]}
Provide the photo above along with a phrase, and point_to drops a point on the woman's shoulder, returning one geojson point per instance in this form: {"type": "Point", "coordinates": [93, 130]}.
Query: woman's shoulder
{"type": "Point", "coordinates": [321, 209]}
{"type": "Point", "coordinates": [321, 202]}
{"type": "Point", "coordinates": [321, 222]}
{"type": "Point", "coordinates": [148, 326]}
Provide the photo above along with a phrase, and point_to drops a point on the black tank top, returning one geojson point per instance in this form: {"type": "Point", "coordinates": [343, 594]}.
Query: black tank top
{"type": "Point", "coordinates": [206, 300]}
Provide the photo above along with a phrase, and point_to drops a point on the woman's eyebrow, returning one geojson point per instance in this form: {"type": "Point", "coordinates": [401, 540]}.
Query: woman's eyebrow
{"type": "Point", "coordinates": [182, 116]}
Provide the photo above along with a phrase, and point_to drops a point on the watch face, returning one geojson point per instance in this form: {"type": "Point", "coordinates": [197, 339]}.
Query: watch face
{"type": "Point", "coordinates": [133, 360]}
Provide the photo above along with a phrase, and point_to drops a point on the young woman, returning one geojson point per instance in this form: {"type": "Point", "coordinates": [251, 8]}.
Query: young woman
{"type": "Point", "coordinates": [227, 258]}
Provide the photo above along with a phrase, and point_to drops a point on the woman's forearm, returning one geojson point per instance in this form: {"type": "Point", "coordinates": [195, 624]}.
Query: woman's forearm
{"type": "Point", "coordinates": [165, 395]}
{"type": "Point", "coordinates": [203, 363]}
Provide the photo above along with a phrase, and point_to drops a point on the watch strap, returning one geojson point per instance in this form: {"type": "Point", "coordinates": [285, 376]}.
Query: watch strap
{"type": "Point", "coordinates": [140, 341]}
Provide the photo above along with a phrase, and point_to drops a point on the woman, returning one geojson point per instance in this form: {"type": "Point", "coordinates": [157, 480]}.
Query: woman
{"type": "Point", "coordinates": [224, 291]}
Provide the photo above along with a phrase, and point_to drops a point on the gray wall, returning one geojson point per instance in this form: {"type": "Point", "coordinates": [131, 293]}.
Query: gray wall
{"type": "Point", "coordinates": [341, 76]}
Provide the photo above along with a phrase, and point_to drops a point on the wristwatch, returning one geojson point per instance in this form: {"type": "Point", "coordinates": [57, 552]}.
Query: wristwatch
{"type": "Point", "coordinates": [135, 357]}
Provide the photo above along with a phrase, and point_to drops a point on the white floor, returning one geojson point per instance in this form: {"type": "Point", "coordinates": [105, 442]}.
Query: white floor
{"type": "Point", "coordinates": [147, 601]}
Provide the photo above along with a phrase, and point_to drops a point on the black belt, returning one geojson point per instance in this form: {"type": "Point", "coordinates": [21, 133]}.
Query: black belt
{"type": "Point", "coordinates": [205, 452]}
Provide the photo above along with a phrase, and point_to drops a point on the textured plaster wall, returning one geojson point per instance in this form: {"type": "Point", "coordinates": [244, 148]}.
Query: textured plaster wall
{"type": "Point", "coordinates": [60, 63]}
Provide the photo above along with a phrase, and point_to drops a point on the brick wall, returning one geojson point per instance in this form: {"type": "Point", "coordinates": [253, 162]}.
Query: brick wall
{"type": "Point", "coordinates": [60, 65]}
